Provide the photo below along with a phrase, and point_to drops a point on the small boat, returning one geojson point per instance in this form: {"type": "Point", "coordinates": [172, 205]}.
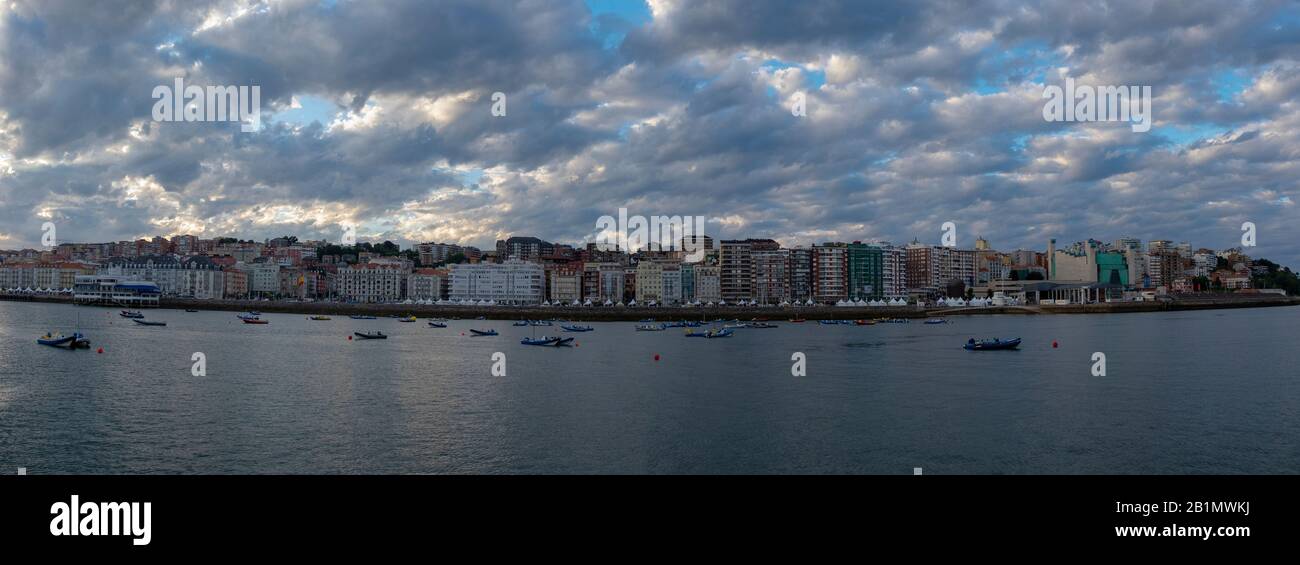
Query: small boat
{"type": "Point", "coordinates": [651, 328]}
{"type": "Point", "coordinates": [647, 320]}
{"type": "Point", "coordinates": [74, 341]}
{"type": "Point", "coordinates": [407, 319]}
{"type": "Point", "coordinates": [933, 321]}
{"type": "Point", "coordinates": [360, 317]}
{"type": "Point", "coordinates": [481, 318]}
{"type": "Point", "coordinates": [546, 341]}
{"type": "Point", "coordinates": [537, 323]}
{"type": "Point", "coordinates": [255, 321]}
{"type": "Point", "coordinates": [144, 322]}
{"type": "Point", "coordinates": [248, 316]}
{"type": "Point", "coordinates": [761, 325]}
{"type": "Point", "coordinates": [437, 325]}
{"type": "Point", "coordinates": [828, 322]}
{"type": "Point", "coordinates": [734, 326]}
{"type": "Point", "coordinates": [367, 335]}
{"type": "Point", "coordinates": [864, 322]}
{"type": "Point", "coordinates": [131, 314]}
{"type": "Point", "coordinates": [319, 318]}
{"type": "Point", "coordinates": [254, 313]}
{"type": "Point", "coordinates": [797, 320]}
{"type": "Point", "coordinates": [191, 310]}
{"type": "Point", "coordinates": [577, 328]}
{"type": "Point", "coordinates": [476, 333]}
{"type": "Point", "coordinates": [710, 334]}
{"type": "Point", "coordinates": [991, 344]}
{"type": "Point", "coordinates": [520, 323]}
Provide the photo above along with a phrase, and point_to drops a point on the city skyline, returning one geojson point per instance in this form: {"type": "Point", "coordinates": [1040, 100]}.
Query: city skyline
{"type": "Point", "coordinates": [916, 115]}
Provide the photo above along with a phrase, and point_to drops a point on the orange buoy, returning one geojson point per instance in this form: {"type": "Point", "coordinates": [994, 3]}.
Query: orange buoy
{"type": "Point", "coordinates": [101, 350]}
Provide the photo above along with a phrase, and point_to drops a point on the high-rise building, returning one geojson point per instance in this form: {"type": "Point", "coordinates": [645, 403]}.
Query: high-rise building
{"type": "Point", "coordinates": [866, 271]}
{"type": "Point", "coordinates": [737, 274]}
{"type": "Point", "coordinates": [800, 274]}
{"type": "Point", "coordinates": [830, 272]}
{"type": "Point", "coordinates": [771, 275]}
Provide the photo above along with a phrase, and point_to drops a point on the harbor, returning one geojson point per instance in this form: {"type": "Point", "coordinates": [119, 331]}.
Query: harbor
{"type": "Point", "coordinates": [308, 396]}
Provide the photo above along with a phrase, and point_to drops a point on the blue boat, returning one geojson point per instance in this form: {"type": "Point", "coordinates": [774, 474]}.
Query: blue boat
{"type": "Point", "coordinates": [476, 333]}
{"type": "Point", "coordinates": [933, 321]}
{"type": "Point", "coordinates": [362, 317]}
{"type": "Point", "coordinates": [74, 341]}
{"type": "Point", "coordinates": [577, 328]}
{"type": "Point", "coordinates": [991, 344]}
{"type": "Point", "coordinates": [520, 323]}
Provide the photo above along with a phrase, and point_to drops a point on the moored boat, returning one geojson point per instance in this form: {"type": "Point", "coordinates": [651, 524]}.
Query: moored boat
{"type": "Point", "coordinates": [133, 314]}
{"type": "Point", "coordinates": [577, 328]}
{"type": "Point", "coordinates": [488, 332]}
{"type": "Point", "coordinates": [651, 328]}
{"type": "Point", "coordinates": [437, 325]}
{"type": "Point", "coordinates": [145, 322]}
{"type": "Point", "coordinates": [362, 317]}
{"type": "Point", "coordinates": [319, 318]}
{"type": "Point", "coordinates": [407, 319]}
{"type": "Point", "coordinates": [257, 321]}
{"type": "Point", "coordinates": [991, 344]}
{"type": "Point", "coordinates": [933, 321]}
{"type": "Point", "coordinates": [710, 334]}
{"type": "Point", "coordinates": [547, 341]}
{"type": "Point", "coordinates": [370, 335]}
{"type": "Point", "coordinates": [74, 341]}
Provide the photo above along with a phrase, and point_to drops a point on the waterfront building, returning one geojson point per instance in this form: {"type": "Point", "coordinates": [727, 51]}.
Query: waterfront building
{"type": "Point", "coordinates": [737, 273]}
{"type": "Point", "coordinates": [427, 284]}
{"type": "Point", "coordinates": [263, 278]}
{"type": "Point", "coordinates": [513, 281]}
{"type": "Point", "coordinates": [688, 282]}
{"type": "Point", "coordinates": [370, 282]}
{"type": "Point", "coordinates": [708, 283]}
{"type": "Point", "coordinates": [800, 274]}
{"type": "Point", "coordinates": [893, 271]}
{"type": "Point", "coordinates": [191, 277]}
{"type": "Point", "coordinates": [564, 283]}
{"type": "Point", "coordinates": [114, 291]}
{"type": "Point", "coordinates": [865, 271]}
{"type": "Point", "coordinates": [671, 283]}
{"type": "Point", "coordinates": [649, 282]}
{"type": "Point", "coordinates": [771, 275]}
{"type": "Point", "coordinates": [830, 272]}
{"type": "Point", "coordinates": [236, 283]}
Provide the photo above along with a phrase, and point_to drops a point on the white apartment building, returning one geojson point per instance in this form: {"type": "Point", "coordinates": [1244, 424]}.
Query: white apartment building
{"type": "Point", "coordinates": [510, 282]}
{"type": "Point", "coordinates": [371, 282]}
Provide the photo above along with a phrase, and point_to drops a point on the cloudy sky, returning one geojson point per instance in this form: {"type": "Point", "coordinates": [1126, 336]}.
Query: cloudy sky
{"type": "Point", "coordinates": [920, 112]}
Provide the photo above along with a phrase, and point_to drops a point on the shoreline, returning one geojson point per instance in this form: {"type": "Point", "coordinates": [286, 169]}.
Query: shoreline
{"type": "Point", "coordinates": [613, 314]}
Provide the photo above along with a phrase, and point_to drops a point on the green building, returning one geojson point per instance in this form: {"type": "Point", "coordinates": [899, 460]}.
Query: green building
{"type": "Point", "coordinates": [866, 271]}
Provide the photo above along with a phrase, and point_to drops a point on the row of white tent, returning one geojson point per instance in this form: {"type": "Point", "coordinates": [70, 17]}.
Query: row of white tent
{"type": "Point", "coordinates": [16, 290]}
{"type": "Point", "coordinates": [872, 303]}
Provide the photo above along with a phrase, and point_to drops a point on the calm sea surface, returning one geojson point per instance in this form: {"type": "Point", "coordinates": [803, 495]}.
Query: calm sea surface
{"type": "Point", "coordinates": [1185, 392]}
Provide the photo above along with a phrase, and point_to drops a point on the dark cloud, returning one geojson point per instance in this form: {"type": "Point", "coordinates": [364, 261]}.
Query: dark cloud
{"type": "Point", "coordinates": [918, 113]}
